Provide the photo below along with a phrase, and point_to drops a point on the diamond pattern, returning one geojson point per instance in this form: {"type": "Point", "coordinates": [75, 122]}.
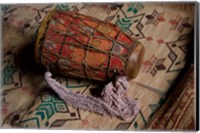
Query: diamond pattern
{"type": "Point", "coordinates": [160, 41]}
{"type": "Point", "coordinates": [180, 26]}
{"type": "Point", "coordinates": [58, 123]}
{"type": "Point", "coordinates": [149, 38]}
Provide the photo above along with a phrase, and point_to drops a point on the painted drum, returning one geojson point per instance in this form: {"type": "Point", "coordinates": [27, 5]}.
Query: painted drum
{"type": "Point", "coordinates": [75, 45]}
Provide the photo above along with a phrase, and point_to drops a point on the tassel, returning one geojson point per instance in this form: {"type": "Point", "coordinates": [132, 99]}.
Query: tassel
{"type": "Point", "coordinates": [113, 100]}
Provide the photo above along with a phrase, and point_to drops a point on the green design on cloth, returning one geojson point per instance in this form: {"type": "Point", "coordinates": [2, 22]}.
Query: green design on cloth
{"type": "Point", "coordinates": [50, 105]}
{"type": "Point", "coordinates": [8, 72]}
{"type": "Point", "coordinates": [63, 7]}
{"type": "Point", "coordinates": [135, 7]}
{"type": "Point", "coordinates": [4, 8]}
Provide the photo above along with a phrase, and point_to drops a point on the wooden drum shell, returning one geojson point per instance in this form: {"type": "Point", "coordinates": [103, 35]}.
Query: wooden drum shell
{"type": "Point", "coordinates": [79, 46]}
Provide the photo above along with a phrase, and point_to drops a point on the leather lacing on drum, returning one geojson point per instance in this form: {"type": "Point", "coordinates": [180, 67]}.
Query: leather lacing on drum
{"type": "Point", "coordinates": [87, 47]}
{"type": "Point", "coordinates": [113, 100]}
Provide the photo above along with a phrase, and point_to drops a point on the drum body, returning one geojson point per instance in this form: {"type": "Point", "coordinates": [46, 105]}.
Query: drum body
{"type": "Point", "coordinates": [75, 45]}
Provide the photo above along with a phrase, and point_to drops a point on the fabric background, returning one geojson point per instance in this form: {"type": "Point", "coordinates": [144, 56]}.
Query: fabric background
{"type": "Point", "coordinates": [164, 30]}
{"type": "Point", "coordinates": [178, 112]}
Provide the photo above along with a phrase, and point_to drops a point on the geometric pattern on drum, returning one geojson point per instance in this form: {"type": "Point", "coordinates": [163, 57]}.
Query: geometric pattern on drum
{"type": "Point", "coordinates": [95, 49]}
{"type": "Point", "coordinates": [50, 105]}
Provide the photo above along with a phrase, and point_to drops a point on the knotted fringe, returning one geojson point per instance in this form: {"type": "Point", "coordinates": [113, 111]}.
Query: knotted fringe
{"type": "Point", "coordinates": [113, 100]}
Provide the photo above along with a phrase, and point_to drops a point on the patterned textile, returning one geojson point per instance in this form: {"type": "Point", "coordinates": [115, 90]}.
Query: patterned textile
{"type": "Point", "coordinates": [26, 17]}
{"type": "Point", "coordinates": [163, 29]}
{"type": "Point", "coordinates": [178, 113]}
{"type": "Point", "coordinates": [70, 44]}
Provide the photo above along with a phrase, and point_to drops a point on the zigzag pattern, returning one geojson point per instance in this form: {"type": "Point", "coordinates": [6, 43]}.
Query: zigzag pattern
{"type": "Point", "coordinates": [154, 107]}
{"type": "Point", "coordinates": [47, 109]}
{"type": "Point", "coordinates": [8, 73]}
{"type": "Point", "coordinates": [125, 22]}
{"type": "Point", "coordinates": [32, 119]}
{"type": "Point", "coordinates": [123, 126]}
{"type": "Point", "coordinates": [52, 107]}
{"type": "Point", "coordinates": [11, 75]}
{"type": "Point", "coordinates": [173, 56]}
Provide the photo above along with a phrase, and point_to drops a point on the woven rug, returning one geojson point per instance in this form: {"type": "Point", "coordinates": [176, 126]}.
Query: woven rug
{"type": "Point", "coordinates": [178, 112]}
{"type": "Point", "coordinates": [164, 30]}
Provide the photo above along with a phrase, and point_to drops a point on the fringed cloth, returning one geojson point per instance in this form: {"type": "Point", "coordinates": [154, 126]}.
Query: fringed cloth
{"type": "Point", "coordinates": [112, 102]}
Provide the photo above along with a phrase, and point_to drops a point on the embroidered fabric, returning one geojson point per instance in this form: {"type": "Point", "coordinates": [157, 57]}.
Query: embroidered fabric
{"type": "Point", "coordinates": [113, 101]}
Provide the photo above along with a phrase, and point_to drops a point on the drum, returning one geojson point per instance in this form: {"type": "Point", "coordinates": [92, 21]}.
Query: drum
{"type": "Point", "coordinates": [76, 45]}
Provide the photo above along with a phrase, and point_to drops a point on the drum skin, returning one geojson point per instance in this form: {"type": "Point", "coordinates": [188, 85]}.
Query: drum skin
{"type": "Point", "coordinates": [75, 45]}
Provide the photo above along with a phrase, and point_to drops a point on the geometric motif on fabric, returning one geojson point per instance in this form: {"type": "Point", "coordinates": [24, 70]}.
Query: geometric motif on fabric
{"type": "Point", "coordinates": [69, 7]}
{"type": "Point", "coordinates": [4, 8]}
{"type": "Point", "coordinates": [135, 7]}
{"type": "Point", "coordinates": [11, 75]}
{"type": "Point", "coordinates": [50, 105]}
{"type": "Point", "coordinates": [123, 126]}
{"type": "Point", "coordinates": [177, 61]}
{"type": "Point", "coordinates": [31, 19]}
{"type": "Point", "coordinates": [128, 22]}
{"type": "Point", "coordinates": [179, 107]}
{"type": "Point", "coordinates": [155, 18]}
{"type": "Point", "coordinates": [180, 23]}
{"type": "Point", "coordinates": [153, 65]}
{"type": "Point", "coordinates": [147, 22]}
{"type": "Point", "coordinates": [176, 57]}
{"type": "Point", "coordinates": [154, 108]}
{"type": "Point", "coordinates": [126, 125]}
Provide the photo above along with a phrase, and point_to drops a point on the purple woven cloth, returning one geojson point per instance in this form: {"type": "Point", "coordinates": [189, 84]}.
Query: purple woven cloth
{"type": "Point", "coordinates": [113, 100]}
